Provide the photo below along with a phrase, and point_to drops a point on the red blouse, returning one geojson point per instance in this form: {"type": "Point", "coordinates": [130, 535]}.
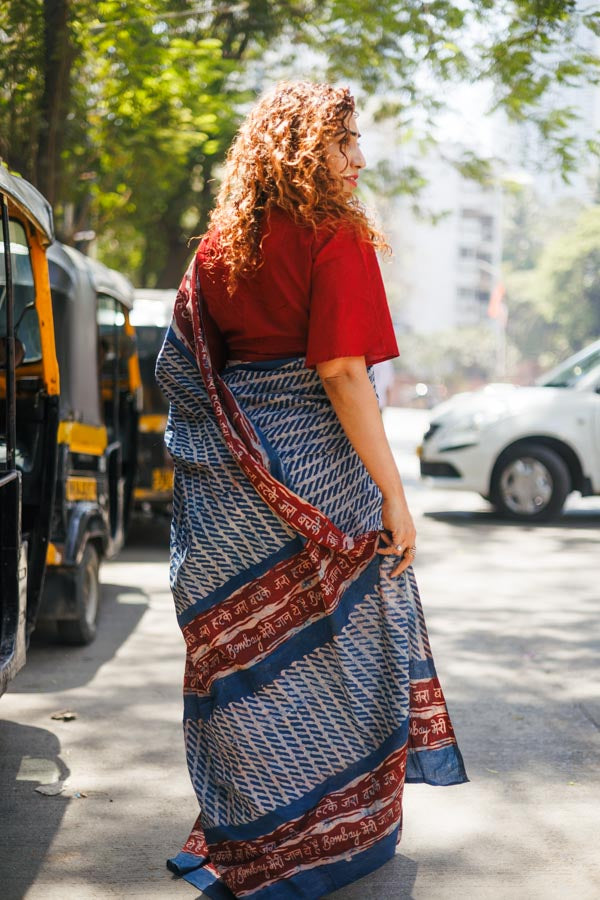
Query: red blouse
{"type": "Point", "coordinates": [318, 296]}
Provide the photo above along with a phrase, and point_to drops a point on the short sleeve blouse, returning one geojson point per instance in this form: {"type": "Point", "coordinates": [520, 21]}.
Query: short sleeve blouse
{"type": "Point", "coordinates": [318, 296]}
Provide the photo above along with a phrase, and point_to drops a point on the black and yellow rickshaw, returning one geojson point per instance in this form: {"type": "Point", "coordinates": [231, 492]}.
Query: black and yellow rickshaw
{"type": "Point", "coordinates": [153, 492]}
{"type": "Point", "coordinates": [29, 413]}
{"type": "Point", "coordinates": [97, 435]}
{"type": "Point", "coordinates": [69, 394]}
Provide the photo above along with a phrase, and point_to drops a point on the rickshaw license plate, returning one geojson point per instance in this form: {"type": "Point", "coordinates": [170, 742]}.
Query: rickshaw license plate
{"type": "Point", "coordinates": [81, 489]}
{"type": "Point", "coordinates": [162, 479]}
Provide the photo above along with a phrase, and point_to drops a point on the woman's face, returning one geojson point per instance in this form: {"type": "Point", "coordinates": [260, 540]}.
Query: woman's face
{"type": "Point", "coordinates": [344, 156]}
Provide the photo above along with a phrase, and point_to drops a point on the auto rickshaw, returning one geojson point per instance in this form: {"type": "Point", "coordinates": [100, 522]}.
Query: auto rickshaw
{"type": "Point", "coordinates": [151, 316]}
{"type": "Point", "coordinates": [29, 414]}
{"type": "Point", "coordinates": [69, 397]}
{"type": "Point", "coordinates": [97, 435]}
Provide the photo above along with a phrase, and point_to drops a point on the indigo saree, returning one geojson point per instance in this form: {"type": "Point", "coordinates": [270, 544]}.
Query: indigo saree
{"type": "Point", "coordinates": [310, 693]}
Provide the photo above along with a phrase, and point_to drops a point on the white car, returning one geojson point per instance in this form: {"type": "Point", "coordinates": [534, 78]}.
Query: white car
{"type": "Point", "coordinates": [522, 448]}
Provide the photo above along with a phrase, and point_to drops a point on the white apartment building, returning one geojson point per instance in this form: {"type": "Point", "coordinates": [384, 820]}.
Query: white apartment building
{"type": "Point", "coordinates": [444, 271]}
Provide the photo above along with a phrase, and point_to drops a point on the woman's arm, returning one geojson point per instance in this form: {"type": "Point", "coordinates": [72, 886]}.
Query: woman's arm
{"type": "Point", "coordinates": [351, 393]}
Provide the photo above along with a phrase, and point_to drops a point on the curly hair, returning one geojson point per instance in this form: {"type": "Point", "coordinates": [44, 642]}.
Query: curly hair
{"type": "Point", "coordinates": [278, 158]}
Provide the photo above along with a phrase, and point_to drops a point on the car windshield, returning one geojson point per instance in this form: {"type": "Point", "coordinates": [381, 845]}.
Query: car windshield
{"type": "Point", "coordinates": [573, 371]}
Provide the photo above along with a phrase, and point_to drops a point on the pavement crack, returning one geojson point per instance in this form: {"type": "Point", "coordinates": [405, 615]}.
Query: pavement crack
{"type": "Point", "coordinates": [588, 716]}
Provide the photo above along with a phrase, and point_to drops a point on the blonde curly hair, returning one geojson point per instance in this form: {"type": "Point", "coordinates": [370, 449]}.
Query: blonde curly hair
{"type": "Point", "coordinates": [278, 158]}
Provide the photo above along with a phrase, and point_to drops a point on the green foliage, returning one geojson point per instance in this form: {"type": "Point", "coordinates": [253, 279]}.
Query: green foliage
{"type": "Point", "coordinates": [162, 114]}
{"type": "Point", "coordinates": [552, 278]}
{"type": "Point", "coordinates": [125, 114]}
{"type": "Point", "coordinates": [21, 50]}
{"type": "Point", "coordinates": [569, 281]}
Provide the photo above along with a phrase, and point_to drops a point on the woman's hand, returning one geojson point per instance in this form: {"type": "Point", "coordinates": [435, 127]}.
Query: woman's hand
{"type": "Point", "coordinates": [351, 393]}
{"type": "Point", "coordinates": [398, 522]}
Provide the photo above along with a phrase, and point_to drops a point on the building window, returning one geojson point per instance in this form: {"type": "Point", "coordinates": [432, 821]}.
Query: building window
{"type": "Point", "coordinates": [487, 228]}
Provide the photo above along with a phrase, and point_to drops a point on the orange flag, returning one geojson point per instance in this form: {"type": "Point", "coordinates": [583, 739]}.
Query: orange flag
{"type": "Point", "coordinates": [496, 307]}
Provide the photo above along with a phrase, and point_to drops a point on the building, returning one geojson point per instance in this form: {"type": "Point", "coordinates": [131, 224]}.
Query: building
{"type": "Point", "coordinates": [447, 260]}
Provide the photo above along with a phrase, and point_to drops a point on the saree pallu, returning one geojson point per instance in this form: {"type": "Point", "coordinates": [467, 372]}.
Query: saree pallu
{"type": "Point", "coordinates": [310, 693]}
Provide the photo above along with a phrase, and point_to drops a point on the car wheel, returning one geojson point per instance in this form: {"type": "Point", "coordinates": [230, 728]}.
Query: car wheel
{"type": "Point", "coordinates": [82, 630]}
{"type": "Point", "coordinates": [530, 483]}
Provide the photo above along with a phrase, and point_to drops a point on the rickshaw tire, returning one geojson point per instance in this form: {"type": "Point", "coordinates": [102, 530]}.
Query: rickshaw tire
{"type": "Point", "coordinates": [82, 630]}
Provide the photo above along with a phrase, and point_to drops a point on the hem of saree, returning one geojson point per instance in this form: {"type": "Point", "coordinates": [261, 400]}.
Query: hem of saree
{"type": "Point", "coordinates": [438, 764]}
{"type": "Point", "coordinates": [200, 875]}
{"type": "Point", "coordinates": [309, 884]}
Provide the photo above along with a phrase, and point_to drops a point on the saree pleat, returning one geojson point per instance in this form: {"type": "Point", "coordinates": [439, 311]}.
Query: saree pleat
{"type": "Point", "coordinates": [310, 692]}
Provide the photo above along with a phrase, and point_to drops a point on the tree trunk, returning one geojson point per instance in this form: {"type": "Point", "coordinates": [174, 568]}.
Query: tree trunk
{"type": "Point", "coordinates": [59, 54]}
{"type": "Point", "coordinates": [178, 253]}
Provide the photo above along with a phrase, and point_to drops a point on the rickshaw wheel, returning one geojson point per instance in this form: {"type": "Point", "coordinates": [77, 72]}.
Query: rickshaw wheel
{"type": "Point", "coordinates": [82, 630]}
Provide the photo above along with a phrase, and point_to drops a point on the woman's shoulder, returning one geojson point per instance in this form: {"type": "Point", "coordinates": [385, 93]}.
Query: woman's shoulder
{"type": "Point", "coordinates": [344, 239]}
{"type": "Point", "coordinates": [281, 219]}
{"type": "Point", "coordinates": [285, 237]}
{"type": "Point", "coordinates": [281, 223]}
{"type": "Point", "coordinates": [209, 256]}
{"type": "Point", "coordinates": [212, 267]}
{"type": "Point", "coordinates": [209, 245]}
{"type": "Point", "coordinates": [338, 236]}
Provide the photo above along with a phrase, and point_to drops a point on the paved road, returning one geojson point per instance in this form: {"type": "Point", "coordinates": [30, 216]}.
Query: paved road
{"type": "Point", "coordinates": [513, 618]}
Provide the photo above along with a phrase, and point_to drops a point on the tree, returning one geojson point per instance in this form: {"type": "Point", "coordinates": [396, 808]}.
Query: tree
{"type": "Point", "coordinates": [164, 112]}
{"type": "Point", "coordinates": [568, 292]}
{"type": "Point", "coordinates": [554, 303]}
{"type": "Point", "coordinates": [122, 111]}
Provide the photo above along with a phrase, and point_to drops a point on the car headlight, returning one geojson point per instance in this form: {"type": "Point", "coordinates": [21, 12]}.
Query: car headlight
{"type": "Point", "coordinates": [465, 430]}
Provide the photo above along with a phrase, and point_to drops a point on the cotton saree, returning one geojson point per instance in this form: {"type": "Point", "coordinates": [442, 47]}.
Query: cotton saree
{"type": "Point", "coordinates": [310, 692]}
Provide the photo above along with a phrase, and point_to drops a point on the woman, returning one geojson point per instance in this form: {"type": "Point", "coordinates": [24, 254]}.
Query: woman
{"type": "Point", "coordinates": [310, 691]}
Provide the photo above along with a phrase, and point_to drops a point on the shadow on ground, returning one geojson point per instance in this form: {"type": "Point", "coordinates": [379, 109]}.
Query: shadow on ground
{"type": "Point", "coordinates": [30, 757]}
{"type": "Point", "coordinates": [395, 879]}
{"type": "Point", "coordinates": [573, 518]}
{"type": "Point", "coordinates": [51, 666]}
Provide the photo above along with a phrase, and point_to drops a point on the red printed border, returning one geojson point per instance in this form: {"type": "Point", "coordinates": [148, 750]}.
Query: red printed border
{"type": "Point", "coordinates": [258, 617]}
{"type": "Point", "coordinates": [355, 816]}
{"type": "Point", "coordinates": [430, 726]}
{"type": "Point", "coordinates": [344, 821]}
